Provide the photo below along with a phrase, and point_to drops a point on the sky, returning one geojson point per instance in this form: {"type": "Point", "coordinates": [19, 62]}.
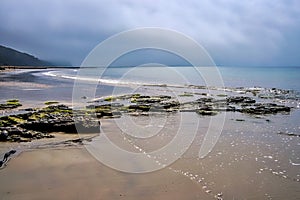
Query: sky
{"type": "Point", "coordinates": [234, 33]}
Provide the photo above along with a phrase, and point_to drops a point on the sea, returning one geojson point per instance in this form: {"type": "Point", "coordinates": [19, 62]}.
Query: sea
{"type": "Point", "coordinates": [41, 84]}
{"type": "Point", "coordinates": [269, 77]}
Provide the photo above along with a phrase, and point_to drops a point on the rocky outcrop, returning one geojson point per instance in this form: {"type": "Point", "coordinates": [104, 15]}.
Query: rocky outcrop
{"type": "Point", "coordinates": [10, 104]}
{"type": "Point", "coordinates": [240, 100]}
{"type": "Point", "coordinates": [18, 134]}
{"type": "Point", "coordinates": [267, 108]}
{"type": "Point", "coordinates": [40, 123]}
{"type": "Point", "coordinates": [141, 104]}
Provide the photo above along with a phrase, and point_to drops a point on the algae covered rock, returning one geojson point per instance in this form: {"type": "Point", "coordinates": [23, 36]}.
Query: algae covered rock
{"type": "Point", "coordinates": [39, 123]}
{"type": "Point", "coordinates": [10, 104]}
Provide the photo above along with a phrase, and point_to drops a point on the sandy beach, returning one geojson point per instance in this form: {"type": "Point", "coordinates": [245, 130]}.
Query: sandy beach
{"type": "Point", "coordinates": [73, 174]}
{"type": "Point", "coordinates": [237, 168]}
{"type": "Point", "coordinates": [255, 157]}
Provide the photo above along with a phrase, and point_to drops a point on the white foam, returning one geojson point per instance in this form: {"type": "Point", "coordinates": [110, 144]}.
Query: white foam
{"type": "Point", "coordinates": [295, 164]}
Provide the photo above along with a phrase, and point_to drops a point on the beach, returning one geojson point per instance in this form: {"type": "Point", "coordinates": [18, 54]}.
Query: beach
{"type": "Point", "coordinates": [73, 174]}
{"type": "Point", "coordinates": [70, 172]}
{"type": "Point", "coordinates": [256, 155]}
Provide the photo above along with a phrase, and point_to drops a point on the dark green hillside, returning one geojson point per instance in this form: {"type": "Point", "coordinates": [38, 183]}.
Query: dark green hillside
{"type": "Point", "coordinates": [11, 57]}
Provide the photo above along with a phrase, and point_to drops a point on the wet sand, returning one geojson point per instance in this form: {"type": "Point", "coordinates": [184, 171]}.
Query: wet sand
{"type": "Point", "coordinates": [52, 169]}
{"type": "Point", "coordinates": [73, 174]}
{"type": "Point", "coordinates": [249, 161]}
{"type": "Point", "coordinates": [246, 163]}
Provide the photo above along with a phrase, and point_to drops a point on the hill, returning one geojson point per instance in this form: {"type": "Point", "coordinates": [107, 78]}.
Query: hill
{"type": "Point", "coordinates": [11, 57]}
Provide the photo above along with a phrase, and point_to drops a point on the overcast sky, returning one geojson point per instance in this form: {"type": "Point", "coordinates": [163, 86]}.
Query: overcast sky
{"type": "Point", "coordinates": [235, 33]}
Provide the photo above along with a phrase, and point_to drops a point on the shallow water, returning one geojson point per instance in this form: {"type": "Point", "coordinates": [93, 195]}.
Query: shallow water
{"type": "Point", "coordinates": [249, 161]}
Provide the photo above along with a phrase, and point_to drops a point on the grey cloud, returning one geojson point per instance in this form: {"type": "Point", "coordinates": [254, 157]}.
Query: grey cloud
{"type": "Point", "coordinates": [257, 32]}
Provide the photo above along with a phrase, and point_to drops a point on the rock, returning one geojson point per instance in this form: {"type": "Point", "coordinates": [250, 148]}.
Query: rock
{"type": "Point", "coordinates": [163, 97]}
{"type": "Point", "coordinates": [148, 99]}
{"type": "Point", "coordinates": [267, 108]}
{"type": "Point", "coordinates": [26, 134]}
{"type": "Point", "coordinates": [3, 135]}
{"type": "Point", "coordinates": [206, 108]}
{"type": "Point", "coordinates": [240, 99]}
{"type": "Point", "coordinates": [15, 138]}
{"type": "Point", "coordinates": [38, 123]}
{"type": "Point", "coordinates": [206, 112]}
{"type": "Point", "coordinates": [107, 110]}
{"type": "Point", "coordinates": [224, 109]}
{"type": "Point", "coordinates": [14, 131]}
{"type": "Point", "coordinates": [204, 100]}
{"type": "Point", "coordinates": [111, 114]}
{"type": "Point", "coordinates": [18, 134]}
{"type": "Point", "coordinates": [10, 104]}
{"type": "Point", "coordinates": [67, 126]}
{"type": "Point", "coordinates": [171, 104]}
{"type": "Point", "coordinates": [288, 134]}
{"type": "Point", "coordinates": [141, 107]}
{"type": "Point", "coordinates": [28, 109]}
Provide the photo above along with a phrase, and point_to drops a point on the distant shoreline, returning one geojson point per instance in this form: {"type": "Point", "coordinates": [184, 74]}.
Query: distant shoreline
{"type": "Point", "coordinates": [36, 67]}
